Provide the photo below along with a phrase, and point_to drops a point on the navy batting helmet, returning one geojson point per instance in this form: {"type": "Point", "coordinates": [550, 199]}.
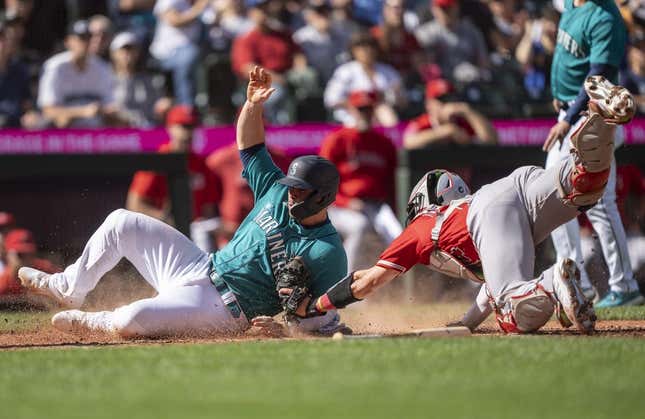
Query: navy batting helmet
{"type": "Point", "coordinates": [315, 173]}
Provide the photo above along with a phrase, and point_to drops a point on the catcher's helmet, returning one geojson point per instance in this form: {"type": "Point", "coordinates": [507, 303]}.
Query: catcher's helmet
{"type": "Point", "coordinates": [315, 173]}
{"type": "Point", "coordinates": [436, 188]}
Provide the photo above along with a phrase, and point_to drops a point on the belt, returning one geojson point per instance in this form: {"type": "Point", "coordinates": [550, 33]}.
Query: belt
{"type": "Point", "coordinates": [227, 295]}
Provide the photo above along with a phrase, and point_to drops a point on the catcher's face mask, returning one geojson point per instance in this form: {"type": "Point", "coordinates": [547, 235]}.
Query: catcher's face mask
{"type": "Point", "coordinates": [435, 188]}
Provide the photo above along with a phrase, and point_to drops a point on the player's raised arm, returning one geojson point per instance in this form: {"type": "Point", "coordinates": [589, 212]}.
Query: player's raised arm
{"type": "Point", "coordinates": [250, 126]}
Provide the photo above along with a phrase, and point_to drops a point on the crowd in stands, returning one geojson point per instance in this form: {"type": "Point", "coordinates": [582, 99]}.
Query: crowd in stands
{"type": "Point", "coordinates": [131, 60]}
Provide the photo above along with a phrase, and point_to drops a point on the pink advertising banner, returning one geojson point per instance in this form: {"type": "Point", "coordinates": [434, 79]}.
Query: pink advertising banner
{"type": "Point", "coordinates": [293, 139]}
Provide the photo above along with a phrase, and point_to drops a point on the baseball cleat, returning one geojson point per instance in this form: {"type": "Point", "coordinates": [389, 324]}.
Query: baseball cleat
{"type": "Point", "coordinates": [589, 293]}
{"type": "Point", "coordinates": [614, 103]}
{"type": "Point", "coordinates": [41, 283]}
{"type": "Point", "coordinates": [574, 308]}
{"type": "Point", "coordinates": [619, 299]}
{"type": "Point", "coordinates": [81, 322]}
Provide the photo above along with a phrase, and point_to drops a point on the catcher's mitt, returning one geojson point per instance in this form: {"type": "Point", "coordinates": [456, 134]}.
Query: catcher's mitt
{"type": "Point", "coordinates": [295, 276]}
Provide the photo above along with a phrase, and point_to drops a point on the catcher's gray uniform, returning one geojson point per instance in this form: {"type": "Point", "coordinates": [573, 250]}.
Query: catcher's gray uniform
{"type": "Point", "coordinates": [506, 219]}
{"type": "Point", "coordinates": [605, 219]}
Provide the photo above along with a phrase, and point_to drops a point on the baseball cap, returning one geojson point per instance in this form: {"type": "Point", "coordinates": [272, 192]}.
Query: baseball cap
{"type": "Point", "coordinates": [6, 219]}
{"type": "Point", "coordinates": [124, 39]}
{"type": "Point", "coordinates": [20, 240]}
{"type": "Point", "coordinates": [437, 88]}
{"type": "Point", "coordinates": [444, 3]}
{"type": "Point", "coordinates": [79, 28]}
{"type": "Point", "coordinates": [362, 98]}
{"type": "Point", "coordinates": [182, 115]}
{"type": "Point", "coordinates": [256, 3]}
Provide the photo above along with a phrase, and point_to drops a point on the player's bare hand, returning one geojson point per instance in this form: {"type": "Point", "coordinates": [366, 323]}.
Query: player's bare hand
{"type": "Point", "coordinates": [267, 326]}
{"type": "Point", "coordinates": [259, 89]}
{"type": "Point", "coordinates": [90, 110]}
{"type": "Point", "coordinates": [557, 133]}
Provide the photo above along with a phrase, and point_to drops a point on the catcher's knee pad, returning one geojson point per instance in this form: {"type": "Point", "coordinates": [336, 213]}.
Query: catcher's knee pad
{"type": "Point", "coordinates": [525, 313]}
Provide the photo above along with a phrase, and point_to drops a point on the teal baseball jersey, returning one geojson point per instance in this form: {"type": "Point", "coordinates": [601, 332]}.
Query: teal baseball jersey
{"type": "Point", "coordinates": [269, 237]}
{"type": "Point", "coordinates": [593, 33]}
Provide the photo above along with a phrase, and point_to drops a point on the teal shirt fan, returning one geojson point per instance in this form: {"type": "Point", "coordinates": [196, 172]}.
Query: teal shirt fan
{"type": "Point", "coordinates": [268, 238]}
{"type": "Point", "coordinates": [593, 33]}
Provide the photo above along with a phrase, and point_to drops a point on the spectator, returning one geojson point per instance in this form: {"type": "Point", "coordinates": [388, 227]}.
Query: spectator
{"type": "Point", "coordinates": [140, 104]}
{"type": "Point", "coordinates": [15, 96]}
{"type": "Point", "coordinates": [454, 43]}
{"type": "Point", "coordinates": [149, 193]}
{"type": "Point", "coordinates": [237, 197]}
{"type": "Point", "coordinates": [20, 249]}
{"type": "Point", "coordinates": [398, 47]}
{"type": "Point", "coordinates": [269, 45]}
{"type": "Point", "coordinates": [342, 19]}
{"type": "Point", "coordinates": [175, 44]}
{"type": "Point", "coordinates": [7, 223]}
{"type": "Point", "coordinates": [226, 21]}
{"type": "Point", "coordinates": [447, 120]}
{"type": "Point", "coordinates": [633, 77]}
{"type": "Point", "coordinates": [100, 36]}
{"type": "Point", "coordinates": [323, 44]}
{"type": "Point", "coordinates": [510, 22]}
{"type": "Point", "coordinates": [135, 16]}
{"type": "Point", "coordinates": [44, 25]}
{"type": "Point", "coordinates": [76, 88]}
{"type": "Point", "coordinates": [365, 73]}
{"type": "Point", "coordinates": [535, 52]}
{"type": "Point", "coordinates": [366, 161]}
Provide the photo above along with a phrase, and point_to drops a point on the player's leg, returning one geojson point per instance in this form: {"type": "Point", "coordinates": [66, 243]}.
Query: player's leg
{"type": "Point", "coordinates": [161, 254]}
{"type": "Point", "coordinates": [501, 231]}
{"type": "Point", "coordinates": [385, 222]}
{"type": "Point", "coordinates": [181, 310]}
{"type": "Point", "coordinates": [605, 218]}
{"type": "Point", "coordinates": [566, 238]}
{"type": "Point", "coordinates": [503, 220]}
{"type": "Point", "coordinates": [352, 226]}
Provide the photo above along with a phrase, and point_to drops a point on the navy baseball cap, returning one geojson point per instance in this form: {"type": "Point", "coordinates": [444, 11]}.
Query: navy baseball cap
{"type": "Point", "coordinates": [80, 28]}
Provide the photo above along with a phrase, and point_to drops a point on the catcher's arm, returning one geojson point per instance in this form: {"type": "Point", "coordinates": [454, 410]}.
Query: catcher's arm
{"type": "Point", "coordinates": [354, 287]}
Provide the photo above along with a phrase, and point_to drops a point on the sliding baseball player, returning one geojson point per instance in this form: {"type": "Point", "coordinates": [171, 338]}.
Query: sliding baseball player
{"type": "Point", "coordinates": [286, 231]}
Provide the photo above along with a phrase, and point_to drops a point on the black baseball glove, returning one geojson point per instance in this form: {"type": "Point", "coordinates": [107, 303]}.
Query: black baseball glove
{"type": "Point", "coordinates": [295, 276]}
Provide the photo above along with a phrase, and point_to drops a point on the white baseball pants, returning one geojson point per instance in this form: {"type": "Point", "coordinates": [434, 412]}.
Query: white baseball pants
{"type": "Point", "coordinates": [187, 301]}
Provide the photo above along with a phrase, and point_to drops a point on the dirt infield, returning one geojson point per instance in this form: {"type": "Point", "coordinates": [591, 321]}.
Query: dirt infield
{"type": "Point", "coordinates": [366, 318]}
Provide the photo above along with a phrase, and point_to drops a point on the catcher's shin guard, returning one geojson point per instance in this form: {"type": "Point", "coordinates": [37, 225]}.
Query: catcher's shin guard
{"type": "Point", "coordinates": [525, 313]}
{"type": "Point", "coordinates": [592, 143]}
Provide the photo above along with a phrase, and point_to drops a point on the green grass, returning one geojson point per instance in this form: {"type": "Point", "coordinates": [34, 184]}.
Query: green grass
{"type": "Point", "coordinates": [22, 321]}
{"type": "Point", "coordinates": [622, 313]}
{"type": "Point", "coordinates": [487, 377]}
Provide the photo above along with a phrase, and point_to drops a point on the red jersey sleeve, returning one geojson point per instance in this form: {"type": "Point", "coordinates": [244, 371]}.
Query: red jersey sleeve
{"type": "Point", "coordinates": [242, 54]}
{"type": "Point", "coordinates": [411, 247]}
{"type": "Point", "coordinates": [151, 186]}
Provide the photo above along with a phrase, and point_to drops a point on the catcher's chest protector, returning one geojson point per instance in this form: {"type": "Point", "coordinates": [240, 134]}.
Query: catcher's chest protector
{"type": "Point", "coordinates": [443, 261]}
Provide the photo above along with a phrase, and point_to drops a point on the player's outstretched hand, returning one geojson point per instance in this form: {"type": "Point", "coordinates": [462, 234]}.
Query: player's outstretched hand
{"type": "Point", "coordinates": [267, 326]}
{"type": "Point", "coordinates": [259, 88]}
